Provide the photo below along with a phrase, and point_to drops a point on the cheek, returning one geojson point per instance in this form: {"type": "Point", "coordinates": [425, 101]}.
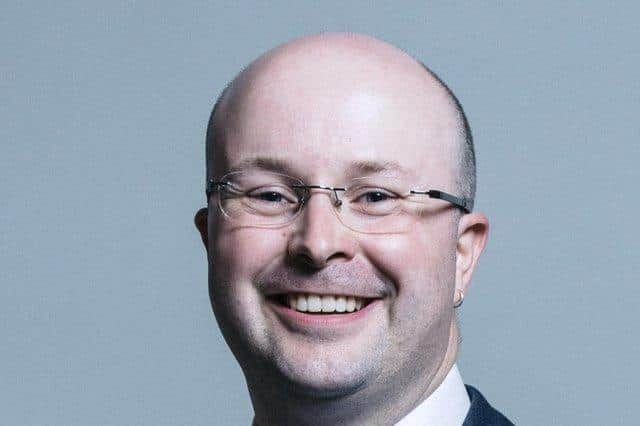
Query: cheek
{"type": "Point", "coordinates": [241, 253]}
{"type": "Point", "coordinates": [411, 259]}
{"type": "Point", "coordinates": [421, 266]}
{"type": "Point", "coordinates": [236, 257]}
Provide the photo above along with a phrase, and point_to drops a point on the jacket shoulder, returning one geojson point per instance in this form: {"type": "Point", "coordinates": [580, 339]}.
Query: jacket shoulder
{"type": "Point", "coordinates": [481, 412]}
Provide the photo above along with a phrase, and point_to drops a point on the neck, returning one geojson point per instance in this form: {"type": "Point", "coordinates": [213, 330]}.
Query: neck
{"type": "Point", "coordinates": [276, 404]}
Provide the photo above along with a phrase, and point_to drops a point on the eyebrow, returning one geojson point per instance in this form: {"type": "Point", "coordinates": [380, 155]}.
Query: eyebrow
{"type": "Point", "coordinates": [367, 167]}
{"type": "Point", "coordinates": [265, 163]}
{"type": "Point", "coordinates": [355, 169]}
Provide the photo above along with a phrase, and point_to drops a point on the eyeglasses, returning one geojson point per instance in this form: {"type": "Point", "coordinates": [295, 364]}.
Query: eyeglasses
{"type": "Point", "coordinates": [376, 204]}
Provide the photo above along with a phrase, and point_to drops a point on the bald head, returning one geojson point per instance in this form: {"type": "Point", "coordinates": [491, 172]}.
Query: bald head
{"type": "Point", "coordinates": [315, 74]}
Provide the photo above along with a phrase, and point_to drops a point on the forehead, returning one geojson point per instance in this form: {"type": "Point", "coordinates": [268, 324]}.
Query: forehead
{"type": "Point", "coordinates": [327, 116]}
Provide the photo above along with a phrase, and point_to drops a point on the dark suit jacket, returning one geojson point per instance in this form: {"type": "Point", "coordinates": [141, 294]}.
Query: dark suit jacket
{"type": "Point", "coordinates": [481, 413]}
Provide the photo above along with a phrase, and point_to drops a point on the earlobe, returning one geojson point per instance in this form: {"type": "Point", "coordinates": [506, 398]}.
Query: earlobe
{"type": "Point", "coordinates": [473, 230]}
{"type": "Point", "coordinates": [200, 221]}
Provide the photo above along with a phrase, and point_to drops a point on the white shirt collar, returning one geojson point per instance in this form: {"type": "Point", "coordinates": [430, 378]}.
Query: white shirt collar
{"type": "Point", "coordinates": [447, 405]}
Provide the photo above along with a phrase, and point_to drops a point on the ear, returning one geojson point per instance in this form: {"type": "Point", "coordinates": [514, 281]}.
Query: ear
{"type": "Point", "coordinates": [473, 230]}
{"type": "Point", "coordinates": [200, 221]}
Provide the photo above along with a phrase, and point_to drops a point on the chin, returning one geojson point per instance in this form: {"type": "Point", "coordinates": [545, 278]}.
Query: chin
{"type": "Point", "coordinates": [320, 386]}
{"type": "Point", "coordinates": [329, 375]}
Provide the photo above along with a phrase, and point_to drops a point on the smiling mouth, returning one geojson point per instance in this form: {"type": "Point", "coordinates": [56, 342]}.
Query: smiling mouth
{"type": "Point", "coordinates": [319, 304]}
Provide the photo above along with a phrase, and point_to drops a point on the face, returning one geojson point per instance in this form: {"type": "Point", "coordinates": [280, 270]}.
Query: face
{"type": "Point", "coordinates": [319, 124]}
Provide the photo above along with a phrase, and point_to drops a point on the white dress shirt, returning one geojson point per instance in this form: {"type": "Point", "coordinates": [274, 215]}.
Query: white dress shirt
{"type": "Point", "coordinates": [446, 406]}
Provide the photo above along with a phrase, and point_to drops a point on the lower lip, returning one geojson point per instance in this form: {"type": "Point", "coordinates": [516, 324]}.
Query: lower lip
{"type": "Point", "coordinates": [327, 320]}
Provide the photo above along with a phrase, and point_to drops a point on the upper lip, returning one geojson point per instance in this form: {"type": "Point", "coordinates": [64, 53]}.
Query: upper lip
{"type": "Point", "coordinates": [273, 290]}
{"type": "Point", "coordinates": [339, 279]}
{"type": "Point", "coordinates": [354, 286]}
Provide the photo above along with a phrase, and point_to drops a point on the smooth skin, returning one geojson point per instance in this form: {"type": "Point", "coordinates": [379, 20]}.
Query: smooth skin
{"type": "Point", "coordinates": [320, 104]}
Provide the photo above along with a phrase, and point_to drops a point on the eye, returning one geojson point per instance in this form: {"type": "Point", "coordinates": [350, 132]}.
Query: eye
{"type": "Point", "coordinates": [374, 201]}
{"type": "Point", "coordinates": [375, 196]}
{"type": "Point", "coordinates": [269, 196]}
{"type": "Point", "coordinates": [272, 196]}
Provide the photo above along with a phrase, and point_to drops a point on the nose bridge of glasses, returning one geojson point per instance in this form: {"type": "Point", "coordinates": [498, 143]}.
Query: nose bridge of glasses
{"type": "Point", "coordinates": [315, 216]}
{"type": "Point", "coordinates": [333, 193]}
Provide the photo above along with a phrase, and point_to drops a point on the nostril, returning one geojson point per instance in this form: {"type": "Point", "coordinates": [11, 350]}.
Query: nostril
{"type": "Point", "coordinates": [304, 260]}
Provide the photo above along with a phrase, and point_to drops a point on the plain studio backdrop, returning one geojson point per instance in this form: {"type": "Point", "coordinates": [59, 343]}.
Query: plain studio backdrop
{"type": "Point", "coordinates": [104, 314]}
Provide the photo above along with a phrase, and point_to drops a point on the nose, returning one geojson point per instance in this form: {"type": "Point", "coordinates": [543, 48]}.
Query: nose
{"type": "Point", "coordinates": [320, 237]}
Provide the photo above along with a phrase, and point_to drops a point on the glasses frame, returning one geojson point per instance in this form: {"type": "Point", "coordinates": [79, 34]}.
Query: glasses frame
{"type": "Point", "coordinates": [464, 204]}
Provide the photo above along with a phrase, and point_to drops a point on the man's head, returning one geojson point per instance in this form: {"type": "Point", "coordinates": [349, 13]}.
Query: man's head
{"type": "Point", "coordinates": [329, 109]}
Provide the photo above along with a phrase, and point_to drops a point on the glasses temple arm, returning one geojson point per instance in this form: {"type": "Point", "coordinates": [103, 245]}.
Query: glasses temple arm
{"type": "Point", "coordinates": [463, 203]}
{"type": "Point", "coordinates": [213, 185]}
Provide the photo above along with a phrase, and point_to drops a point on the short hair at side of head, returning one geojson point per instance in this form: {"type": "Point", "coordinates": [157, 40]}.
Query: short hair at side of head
{"type": "Point", "coordinates": [209, 138]}
{"type": "Point", "coordinates": [466, 179]}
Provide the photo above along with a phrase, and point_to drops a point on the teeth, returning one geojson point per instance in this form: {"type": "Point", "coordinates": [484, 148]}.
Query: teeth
{"type": "Point", "coordinates": [328, 303]}
{"type": "Point", "coordinates": [351, 304]}
{"type": "Point", "coordinates": [314, 303]}
{"type": "Point", "coordinates": [324, 303]}
{"type": "Point", "coordinates": [302, 303]}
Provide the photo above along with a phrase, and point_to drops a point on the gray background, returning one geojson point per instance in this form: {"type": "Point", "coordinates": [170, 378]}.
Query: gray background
{"type": "Point", "coordinates": [104, 315]}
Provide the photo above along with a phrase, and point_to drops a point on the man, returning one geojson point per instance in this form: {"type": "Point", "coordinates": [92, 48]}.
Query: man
{"type": "Point", "coordinates": [340, 236]}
